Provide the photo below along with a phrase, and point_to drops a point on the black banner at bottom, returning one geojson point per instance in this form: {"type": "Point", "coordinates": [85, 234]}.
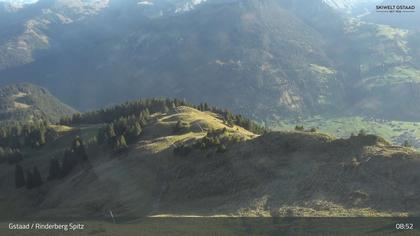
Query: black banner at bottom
{"type": "Point", "coordinates": [214, 226]}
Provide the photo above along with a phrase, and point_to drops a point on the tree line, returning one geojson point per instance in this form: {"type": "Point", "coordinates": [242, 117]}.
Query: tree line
{"type": "Point", "coordinates": [231, 119]}
{"type": "Point", "coordinates": [17, 136]}
{"type": "Point", "coordinates": [134, 108]}
{"type": "Point", "coordinates": [118, 133]}
{"type": "Point", "coordinates": [127, 109]}
{"type": "Point", "coordinates": [72, 157]}
{"type": "Point", "coordinates": [217, 140]}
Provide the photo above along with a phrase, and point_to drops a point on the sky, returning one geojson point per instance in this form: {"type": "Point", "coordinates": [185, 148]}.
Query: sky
{"type": "Point", "coordinates": [20, 1]}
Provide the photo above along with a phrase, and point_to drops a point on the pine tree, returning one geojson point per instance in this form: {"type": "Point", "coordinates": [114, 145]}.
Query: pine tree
{"type": "Point", "coordinates": [299, 128]}
{"type": "Point", "coordinates": [79, 149]}
{"type": "Point", "coordinates": [172, 106]}
{"type": "Point", "coordinates": [19, 177]}
{"type": "Point", "coordinates": [37, 137]}
{"type": "Point", "coordinates": [55, 169]}
{"type": "Point", "coordinates": [68, 163]}
{"type": "Point", "coordinates": [216, 141]}
{"type": "Point", "coordinates": [177, 127]}
{"type": "Point", "coordinates": [110, 132]}
{"type": "Point", "coordinates": [221, 148]}
{"type": "Point", "coordinates": [101, 136]}
{"type": "Point", "coordinates": [165, 109]}
{"type": "Point", "coordinates": [37, 180]}
{"type": "Point", "coordinates": [73, 156]}
{"type": "Point", "coordinates": [182, 150]}
{"type": "Point", "coordinates": [121, 144]}
{"type": "Point", "coordinates": [29, 179]}
{"type": "Point", "coordinates": [134, 131]}
{"type": "Point", "coordinates": [137, 129]}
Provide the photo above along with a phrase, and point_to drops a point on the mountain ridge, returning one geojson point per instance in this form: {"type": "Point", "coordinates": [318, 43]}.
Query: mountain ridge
{"type": "Point", "coordinates": [287, 53]}
{"type": "Point", "coordinates": [29, 103]}
{"type": "Point", "coordinates": [164, 172]}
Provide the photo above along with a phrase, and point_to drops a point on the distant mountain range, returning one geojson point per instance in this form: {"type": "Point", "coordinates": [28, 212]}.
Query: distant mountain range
{"type": "Point", "coordinates": [352, 6]}
{"type": "Point", "coordinates": [266, 58]}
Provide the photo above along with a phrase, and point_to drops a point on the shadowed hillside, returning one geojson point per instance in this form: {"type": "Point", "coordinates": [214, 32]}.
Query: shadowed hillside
{"type": "Point", "coordinates": [29, 103]}
{"type": "Point", "coordinates": [191, 162]}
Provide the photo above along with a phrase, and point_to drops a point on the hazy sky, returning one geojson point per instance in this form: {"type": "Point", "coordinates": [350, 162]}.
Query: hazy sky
{"type": "Point", "coordinates": [20, 1]}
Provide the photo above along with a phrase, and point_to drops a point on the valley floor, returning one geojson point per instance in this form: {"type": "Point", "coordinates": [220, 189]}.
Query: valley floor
{"type": "Point", "coordinates": [397, 132]}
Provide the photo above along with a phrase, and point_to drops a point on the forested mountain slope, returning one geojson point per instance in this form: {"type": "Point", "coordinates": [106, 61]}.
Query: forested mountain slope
{"type": "Point", "coordinates": [29, 103]}
{"type": "Point", "coordinates": [261, 58]}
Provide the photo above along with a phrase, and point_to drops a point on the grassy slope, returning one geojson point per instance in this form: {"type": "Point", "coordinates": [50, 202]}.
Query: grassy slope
{"type": "Point", "coordinates": [158, 139]}
{"type": "Point", "coordinates": [395, 132]}
{"type": "Point", "coordinates": [278, 174]}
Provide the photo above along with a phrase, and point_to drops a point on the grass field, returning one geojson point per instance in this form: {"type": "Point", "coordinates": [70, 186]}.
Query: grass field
{"type": "Point", "coordinates": [394, 131]}
{"type": "Point", "coordinates": [394, 76]}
